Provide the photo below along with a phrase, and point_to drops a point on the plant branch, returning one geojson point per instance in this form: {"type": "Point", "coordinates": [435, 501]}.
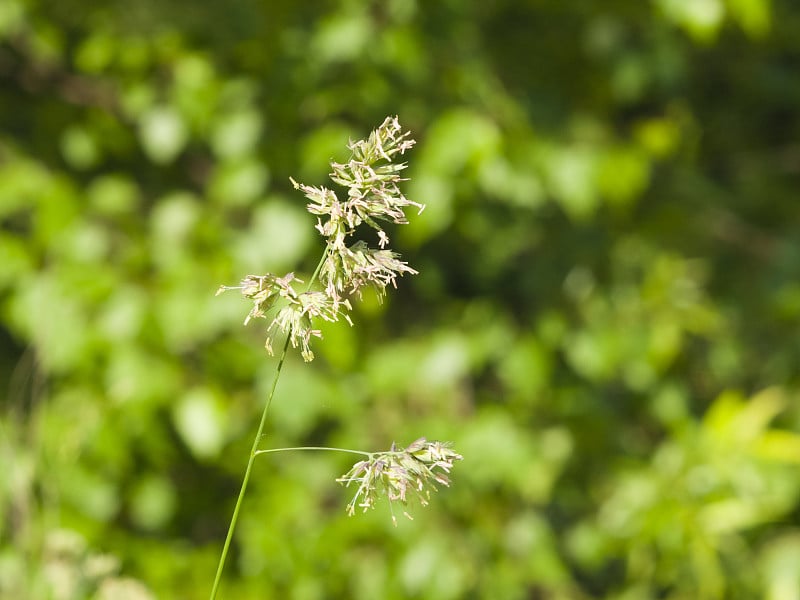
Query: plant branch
{"type": "Point", "coordinates": [247, 471]}
{"type": "Point", "coordinates": [343, 270]}
{"type": "Point", "coordinates": [348, 450]}
{"type": "Point", "coordinates": [254, 451]}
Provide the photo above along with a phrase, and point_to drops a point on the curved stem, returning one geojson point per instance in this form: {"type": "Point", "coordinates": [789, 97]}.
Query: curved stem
{"type": "Point", "coordinates": [247, 471]}
{"type": "Point", "coordinates": [246, 479]}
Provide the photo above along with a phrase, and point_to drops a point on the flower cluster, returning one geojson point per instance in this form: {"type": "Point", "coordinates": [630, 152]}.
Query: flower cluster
{"type": "Point", "coordinates": [400, 474]}
{"type": "Point", "coordinates": [373, 196]}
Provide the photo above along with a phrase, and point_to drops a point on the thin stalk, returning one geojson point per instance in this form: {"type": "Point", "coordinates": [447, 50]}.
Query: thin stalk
{"type": "Point", "coordinates": [254, 452]}
{"type": "Point", "coordinates": [246, 479]}
{"type": "Point", "coordinates": [319, 267]}
{"type": "Point", "coordinates": [361, 452]}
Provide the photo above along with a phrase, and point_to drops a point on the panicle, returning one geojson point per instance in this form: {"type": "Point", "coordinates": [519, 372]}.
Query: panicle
{"type": "Point", "coordinates": [401, 475]}
{"type": "Point", "coordinates": [373, 196]}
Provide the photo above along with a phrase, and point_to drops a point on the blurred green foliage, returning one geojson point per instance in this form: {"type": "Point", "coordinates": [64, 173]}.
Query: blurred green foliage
{"type": "Point", "coordinates": [605, 321]}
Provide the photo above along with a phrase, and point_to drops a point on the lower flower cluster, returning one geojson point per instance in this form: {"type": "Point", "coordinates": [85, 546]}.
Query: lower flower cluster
{"type": "Point", "coordinates": [400, 474]}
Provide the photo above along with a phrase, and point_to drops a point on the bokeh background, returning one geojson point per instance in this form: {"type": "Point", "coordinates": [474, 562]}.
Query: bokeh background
{"type": "Point", "coordinates": [606, 322]}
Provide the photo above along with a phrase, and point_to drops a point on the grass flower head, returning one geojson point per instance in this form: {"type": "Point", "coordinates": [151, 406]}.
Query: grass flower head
{"type": "Point", "coordinates": [347, 267]}
{"type": "Point", "coordinates": [400, 474]}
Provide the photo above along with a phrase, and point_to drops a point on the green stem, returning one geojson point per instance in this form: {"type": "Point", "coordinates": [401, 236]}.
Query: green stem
{"type": "Point", "coordinates": [319, 266]}
{"type": "Point", "coordinates": [223, 557]}
{"type": "Point", "coordinates": [247, 471]}
{"type": "Point", "coordinates": [361, 452]}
